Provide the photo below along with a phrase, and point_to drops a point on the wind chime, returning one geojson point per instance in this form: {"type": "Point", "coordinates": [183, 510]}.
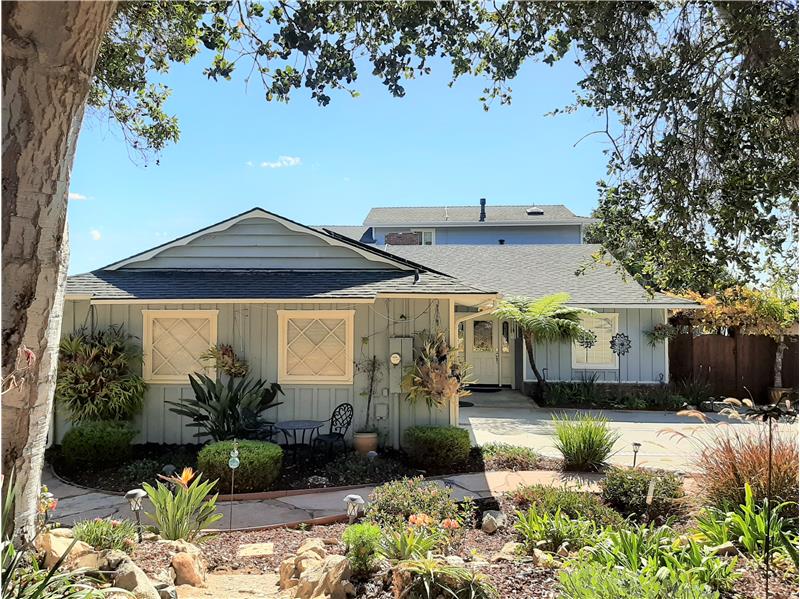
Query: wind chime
{"type": "Point", "coordinates": [620, 346]}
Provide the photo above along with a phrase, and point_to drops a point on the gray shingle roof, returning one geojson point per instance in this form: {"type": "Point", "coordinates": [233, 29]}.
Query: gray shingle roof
{"type": "Point", "coordinates": [258, 284]}
{"type": "Point", "coordinates": [422, 215]}
{"type": "Point", "coordinates": [537, 270]}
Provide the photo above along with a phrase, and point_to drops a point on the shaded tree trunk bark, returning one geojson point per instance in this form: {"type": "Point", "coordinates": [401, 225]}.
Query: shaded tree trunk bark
{"type": "Point", "coordinates": [778, 367]}
{"type": "Point", "coordinates": [49, 55]}
{"type": "Point", "coordinates": [541, 384]}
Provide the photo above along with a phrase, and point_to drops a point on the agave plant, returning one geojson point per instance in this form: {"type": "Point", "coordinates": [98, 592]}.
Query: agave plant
{"type": "Point", "coordinates": [230, 410]}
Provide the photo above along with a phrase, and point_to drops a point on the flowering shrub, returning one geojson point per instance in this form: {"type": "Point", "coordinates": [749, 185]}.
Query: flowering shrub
{"type": "Point", "coordinates": [104, 533]}
{"type": "Point", "coordinates": [416, 502]}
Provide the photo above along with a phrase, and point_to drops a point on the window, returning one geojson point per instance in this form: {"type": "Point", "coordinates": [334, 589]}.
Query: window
{"type": "Point", "coordinates": [505, 338]}
{"type": "Point", "coordinates": [426, 236]}
{"type": "Point", "coordinates": [599, 356]}
{"type": "Point", "coordinates": [482, 333]}
{"type": "Point", "coordinates": [315, 346]}
{"type": "Point", "coordinates": [173, 342]}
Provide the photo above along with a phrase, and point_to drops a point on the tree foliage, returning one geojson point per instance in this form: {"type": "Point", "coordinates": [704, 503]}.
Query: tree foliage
{"type": "Point", "coordinates": [697, 100]}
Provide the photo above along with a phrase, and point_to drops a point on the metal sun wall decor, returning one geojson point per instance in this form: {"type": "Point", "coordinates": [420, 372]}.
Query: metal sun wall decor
{"type": "Point", "coordinates": [620, 346]}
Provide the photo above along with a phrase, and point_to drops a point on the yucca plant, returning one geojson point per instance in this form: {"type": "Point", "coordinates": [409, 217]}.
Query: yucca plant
{"type": "Point", "coordinates": [585, 441]}
{"type": "Point", "coordinates": [545, 319]}
{"type": "Point", "coordinates": [182, 512]}
{"type": "Point", "coordinates": [406, 543]}
{"type": "Point", "coordinates": [431, 578]}
{"type": "Point", "coordinates": [96, 378]}
{"type": "Point", "coordinates": [549, 532]}
{"type": "Point", "coordinates": [229, 410]}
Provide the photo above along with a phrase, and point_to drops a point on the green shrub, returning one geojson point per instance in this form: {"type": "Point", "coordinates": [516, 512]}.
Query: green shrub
{"type": "Point", "coordinates": [437, 447]}
{"type": "Point", "coordinates": [142, 470]}
{"type": "Point", "coordinates": [595, 581]}
{"type": "Point", "coordinates": [356, 469]}
{"type": "Point", "coordinates": [430, 578]}
{"type": "Point", "coordinates": [95, 375]}
{"type": "Point", "coordinates": [746, 527]}
{"type": "Point", "coordinates": [412, 542]}
{"type": "Point", "coordinates": [584, 441]}
{"type": "Point", "coordinates": [100, 443]}
{"type": "Point", "coordinates": [550, 532]}
{"type": "Point", "coordinates": [502, 456]}
{"type": "Point", "coordinates": [625, 490]}
{"type": "Point", "coordinates": [182, 512]}
{"type": "Point", "coordinates": [259, 464]}
{"type": "Point", "coordinates": [361, 543]}
{"type": "Point", "coordinates": [575, 504]}
{"type": "Point", "coordinates": [392, 503]}
{"type": "Point", "coordinates": [104, 533]}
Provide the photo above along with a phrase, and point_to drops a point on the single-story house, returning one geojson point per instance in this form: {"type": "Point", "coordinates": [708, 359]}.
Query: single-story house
{"type": "Point", "coordinates": [303, 304]}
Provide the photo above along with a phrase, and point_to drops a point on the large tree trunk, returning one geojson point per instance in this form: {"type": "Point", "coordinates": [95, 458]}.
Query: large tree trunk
{"type": "Point", "coordinates": [49, 54]}
{"type": "Point", "coordinates": [541, 384]}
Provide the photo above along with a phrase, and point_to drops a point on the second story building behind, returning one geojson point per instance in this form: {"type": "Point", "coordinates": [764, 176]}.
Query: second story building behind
{"type": "Point", "coordinates": [480, 224]}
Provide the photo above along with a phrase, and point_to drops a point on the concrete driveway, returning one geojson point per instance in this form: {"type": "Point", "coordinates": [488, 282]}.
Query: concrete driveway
{"type": "Point", "coordinates": [510, 417]}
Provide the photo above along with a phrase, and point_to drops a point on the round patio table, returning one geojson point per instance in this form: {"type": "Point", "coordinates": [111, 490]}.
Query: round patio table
{"type": "Point", "coordinates": [302, 427]}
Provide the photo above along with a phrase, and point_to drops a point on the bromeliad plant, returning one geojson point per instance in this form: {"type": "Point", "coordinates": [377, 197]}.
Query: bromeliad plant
{"type": "Point", "coordinates": [180, 510]}
{"type": "Point", "coordinates": [95, 375]}
{"type": "Point", "coordinates": [230, 410]}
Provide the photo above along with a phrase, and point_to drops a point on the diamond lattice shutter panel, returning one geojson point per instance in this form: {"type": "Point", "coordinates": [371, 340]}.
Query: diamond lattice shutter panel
{"type": "Point", "coordinates": [174, 341]}
{"type": "Point", "coordinates": [600, 354]}
{"type": "Point", "coordinates": [316, 346]}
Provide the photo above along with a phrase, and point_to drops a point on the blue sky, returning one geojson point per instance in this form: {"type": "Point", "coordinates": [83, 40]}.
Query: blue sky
{"type": "Point", "coordinates": [329, 165]}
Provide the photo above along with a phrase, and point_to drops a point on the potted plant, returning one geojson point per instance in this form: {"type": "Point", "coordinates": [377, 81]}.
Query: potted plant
{"type": "Point", "coordinates": [365, 439]}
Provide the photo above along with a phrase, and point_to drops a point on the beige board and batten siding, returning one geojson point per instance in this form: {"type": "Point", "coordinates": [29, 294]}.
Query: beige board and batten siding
{"type": "Point", "coordinates": [258, 243]}
{"type": "Point", "coordinates": [251, 328]}
{"type": "Point", "coordinates": [643, 363]}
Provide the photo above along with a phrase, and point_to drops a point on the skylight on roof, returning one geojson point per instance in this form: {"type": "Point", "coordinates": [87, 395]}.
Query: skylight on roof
{"type": "Point", "coordinates": [534, 210]}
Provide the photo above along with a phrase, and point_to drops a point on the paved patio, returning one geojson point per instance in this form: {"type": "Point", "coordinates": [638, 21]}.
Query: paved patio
{"type": "Point", "coordinates": [510, 417]}
{"type": "Point", "coordinates": [81, 504]}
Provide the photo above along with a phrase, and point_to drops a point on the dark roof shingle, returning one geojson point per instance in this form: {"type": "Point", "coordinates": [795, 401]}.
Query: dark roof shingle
{"type": "Point", "coordinates": [258, 284]}
{"type": "Point", "coordinates": [538, 270]}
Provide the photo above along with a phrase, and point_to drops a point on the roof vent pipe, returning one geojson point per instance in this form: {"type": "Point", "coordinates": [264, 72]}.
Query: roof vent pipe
{"type": "Point", "coordinates": [501, 241]}
{"type": "Point", "coordinates": [482, 217]}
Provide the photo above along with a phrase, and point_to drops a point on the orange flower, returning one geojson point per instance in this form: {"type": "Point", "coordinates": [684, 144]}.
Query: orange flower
{"type": "Point", "coordinates": [183, 480]}
{"type": "Point", "coordinates": [450, 524]}
{"type": "Point", "coordinates": [420, 520]}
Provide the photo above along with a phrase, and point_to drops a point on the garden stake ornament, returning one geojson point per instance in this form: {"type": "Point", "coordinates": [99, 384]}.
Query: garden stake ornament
{"type": "Point", "coordinates": [586, 341]}
{"type": "Point", "coordinates": [620, 346]}
{"type": "Point", "coordinates": [233, 464]}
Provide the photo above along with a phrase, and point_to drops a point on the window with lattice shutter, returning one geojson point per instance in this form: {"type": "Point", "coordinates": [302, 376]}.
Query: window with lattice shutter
{"type": "Point", "coordinates": [173, 342]}
{"type": "Point", "coordinates": [599, 356]}
{"type": "Point", "coordinates": [315, 346]}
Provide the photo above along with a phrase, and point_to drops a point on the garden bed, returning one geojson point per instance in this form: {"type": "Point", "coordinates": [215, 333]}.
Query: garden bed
{"type": "Point", "coordinates": [323, 472]}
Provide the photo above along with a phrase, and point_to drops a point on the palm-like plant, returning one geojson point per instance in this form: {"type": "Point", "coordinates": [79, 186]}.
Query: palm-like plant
{"type": "Point", "coordinates": [544, 319]}
{"type": "Point", "coordinates": [230, 410]}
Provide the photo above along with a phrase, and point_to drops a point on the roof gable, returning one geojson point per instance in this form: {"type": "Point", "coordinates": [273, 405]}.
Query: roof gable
{"type": "Point", "coordinates": [259, 239]}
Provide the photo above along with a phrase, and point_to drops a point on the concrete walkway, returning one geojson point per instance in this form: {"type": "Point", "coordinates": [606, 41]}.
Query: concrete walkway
{"type": "Point", "coordinates": [81, 504]}
{"type": "Point", "coordinates": [668, 441]}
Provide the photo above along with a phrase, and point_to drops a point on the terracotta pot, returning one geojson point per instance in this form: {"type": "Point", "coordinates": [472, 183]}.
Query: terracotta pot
{"type": "Point", "coordinates": [365, 442]}
{"type": "Point", "coordinates": [777, 393]}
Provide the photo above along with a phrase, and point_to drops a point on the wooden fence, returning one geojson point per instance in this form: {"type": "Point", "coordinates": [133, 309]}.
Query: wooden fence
{"type": "Point", "coordinates": [732, 365]}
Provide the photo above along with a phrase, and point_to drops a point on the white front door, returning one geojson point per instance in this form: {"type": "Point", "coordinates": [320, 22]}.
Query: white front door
{"type": "Point", "coordinates": [482, 351]}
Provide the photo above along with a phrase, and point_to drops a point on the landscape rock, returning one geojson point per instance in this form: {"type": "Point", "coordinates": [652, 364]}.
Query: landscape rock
{"type": "Point", "coordinates": [328, 579]}
{"type": "Point", "coordinates": [493, 520]}
{"type": "Point", "coordinates": [111, 559]}
{"type": "Point", "coordinates": [131, 578]}
{"type": "Point", "coordinates": [67, 533]}
{"type": "Point", "coordinates": [256, 549]}
{"type": "Point", "coordinates": [314, 544]}
{"type": "Point", "coordinates": [454, 560]}
{"type": "Point", "coordinates": [724, 549]}
{"type": "Point", "coordinates": [166, 591]}
{"type": "Point", "coordinates": [180, 546]}
{"type": "Point", "coordinates": [189, 569]}
{"type": "Point", "coordinates": [91, 561]}
{"type": "Point", "coordinates": [54, 547]}
{"type": "Point", "coordinates": [510, 552]}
